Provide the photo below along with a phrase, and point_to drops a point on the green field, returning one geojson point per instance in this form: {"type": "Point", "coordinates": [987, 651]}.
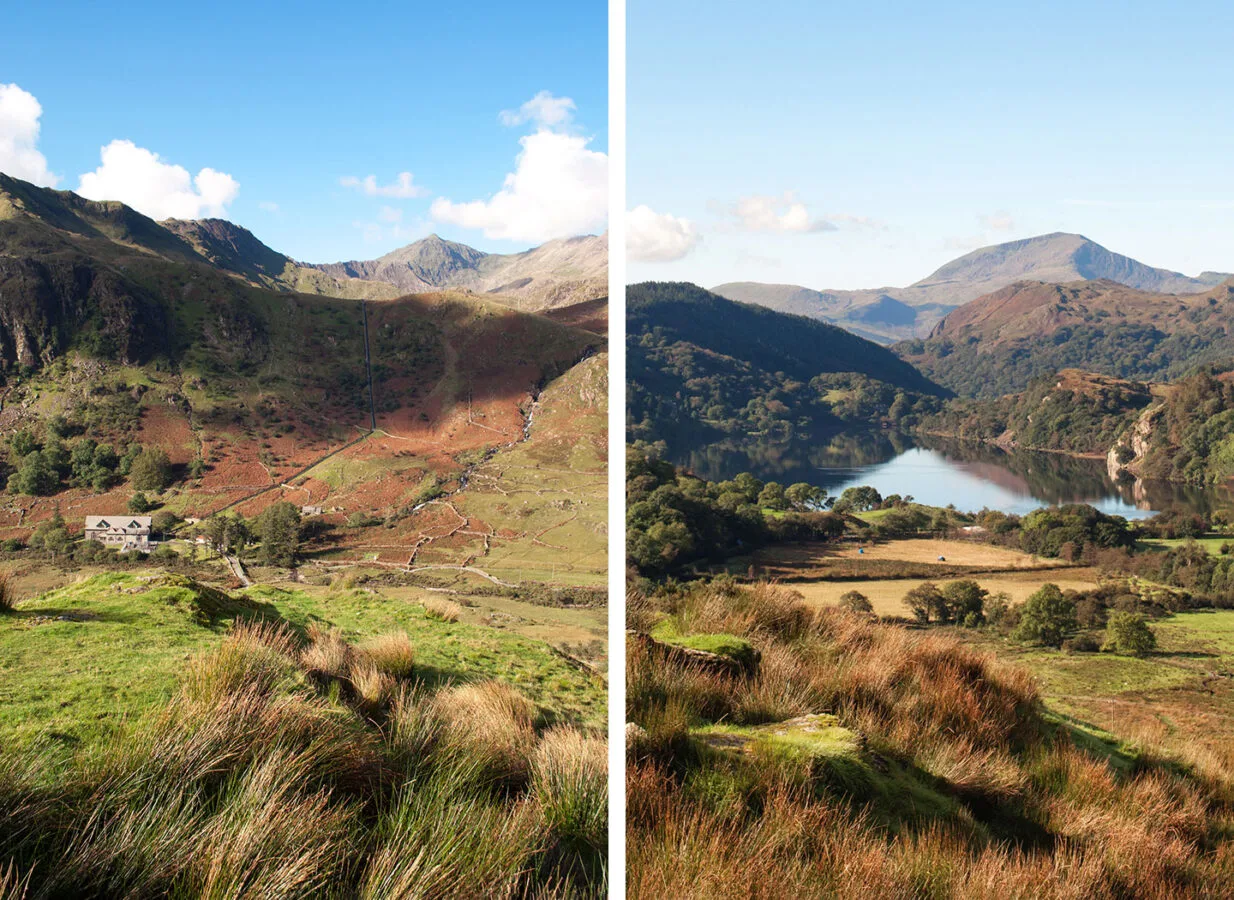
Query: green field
{"type": "Point", "coordinates": [1179, 694]}
{"type": "Point", "coordinates": [1211, 543]}
{"type": "Point", "coordinates": [77, 661]}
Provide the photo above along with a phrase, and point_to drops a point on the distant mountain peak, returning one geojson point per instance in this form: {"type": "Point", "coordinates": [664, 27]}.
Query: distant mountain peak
{"type": "Point", "coordinates": [1059, 257]}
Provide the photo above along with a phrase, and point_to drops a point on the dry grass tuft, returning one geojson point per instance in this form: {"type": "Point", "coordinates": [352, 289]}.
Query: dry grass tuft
{"type": "Point", "coordinates": [570, 782]}
{"type": "Point", "coordinates": [392, 654]}
{"type": "Point", "coordinates": [492, 724]}
{"type": "Point", "coordinates": [443, 610]}
{"type": "Point", "coordinates": [328, 653]}
{"type": "Point", "coordinates": [8, 597]}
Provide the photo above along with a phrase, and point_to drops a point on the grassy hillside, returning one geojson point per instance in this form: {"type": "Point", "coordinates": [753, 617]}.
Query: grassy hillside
{"type": "Point", "coordinates": [703, 365]}
{"type": "Point", "coordinates": [316, 747]}
{"type": "Point", "coordinates": [1000, 342]}
{"type": "Point", "coordinates": [858, 759]}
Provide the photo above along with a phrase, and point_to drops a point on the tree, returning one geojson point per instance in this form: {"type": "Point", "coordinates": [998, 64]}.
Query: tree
{"type": "Point", "coordinates": [227, 534]}
{"type": "Point", "coordinates": [806, 497]}
{"type": "Point", "coordinates": [772, 497]}
{"type": "Point", "coordinates": [34, 477]}
{"type": "Point", "coordinates": [151, 470]}
{"type": "Point", "coordinates": [926, 601]}
{"type": "Point", "coordinates": [965, 602]}
{"type": "Point", "coordinates": [857, 602]}
{"type": "Point", "coordinates": [1128, 633]}
{"type": "Point", "coordinates": [858, 499]}
{"type": "Point", "coordinates": [140, 503]}
{"type": "Point", "coordinates": [278, 529]}
{"type": "Point", "coordinates": [1046, 618]}
{"type": "Point", "coordinates": [52, 535]}
{"type": "Point", "coordinates": [164, 522]}
{"type": "Point", "coordinates": [23, 442]}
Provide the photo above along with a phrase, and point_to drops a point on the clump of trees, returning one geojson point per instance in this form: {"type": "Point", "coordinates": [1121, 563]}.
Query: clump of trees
{"type": "Point", "coordinates": [673, 518]}
{"type": "Point", "coordinates": [1046, 618]}
{"type": "Point", "coordinates": [277, 532]}
{"type": "Point", "coordinates": [958, 602]}
{"type": "Point", "coordinates": [40, 466]}
{"type": "Point", "coordinates": [278, 529]}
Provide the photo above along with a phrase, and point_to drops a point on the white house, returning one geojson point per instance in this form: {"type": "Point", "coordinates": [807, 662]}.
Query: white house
{"type": "Point", "coordinates": [125, 532]}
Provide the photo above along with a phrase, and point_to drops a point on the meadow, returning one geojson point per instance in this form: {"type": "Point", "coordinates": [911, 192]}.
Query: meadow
{"type": "Point", "coordinates": [165, 737]}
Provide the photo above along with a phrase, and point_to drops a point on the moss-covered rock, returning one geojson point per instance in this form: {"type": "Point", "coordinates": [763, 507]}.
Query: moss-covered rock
{"type": "Point", "coordinates": [721, 652]}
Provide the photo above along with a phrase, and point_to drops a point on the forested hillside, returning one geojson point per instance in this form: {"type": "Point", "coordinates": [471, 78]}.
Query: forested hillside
{"type": "Point", "coordinates": [700, 364]}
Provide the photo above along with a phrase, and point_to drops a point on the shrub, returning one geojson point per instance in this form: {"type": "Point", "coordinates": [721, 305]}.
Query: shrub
{"type": "Point", "coordinates": [140, 503]}
{"type": "Point", "coordinates": [1128, 633]}
{"type": "Point", "coordinates": [1046, 618]}
{"type": "Point", "coordinates": [1082, 643]}
{"type": "Point", "coordinates": [856, 602]}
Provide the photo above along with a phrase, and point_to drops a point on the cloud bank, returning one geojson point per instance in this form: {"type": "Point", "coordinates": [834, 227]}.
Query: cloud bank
{"type": "Point", "coordinates": [559, 188]}
{"type": "Point", "coordinates": [140, 178]}
{"type": "Point", "coordinates": [402, 188]}
{"type": "Point", "coordinates": [19, 137]}
{"type": "Point", "coordinates": [784, 214]}
{"type": "Point", "coordinates": [658, 237]}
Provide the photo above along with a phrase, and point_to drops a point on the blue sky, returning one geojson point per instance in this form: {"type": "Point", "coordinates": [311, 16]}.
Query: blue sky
{"type": "Point", "coordinates": [859, 145]}
{"type": "Point", "coordinates": [287, 99]}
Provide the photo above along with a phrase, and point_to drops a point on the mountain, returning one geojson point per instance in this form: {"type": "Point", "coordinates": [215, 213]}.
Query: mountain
{"type": "Point", "coordinates": [890, 313]}
{"type": "Point", "coordinates": [999, 342]}
{"type": "Point", "coordinates": [701, 366]}
{"type": "Point", "coordinates": [558, 273]}
{"type": "Point", "coordinates": [119, 331]}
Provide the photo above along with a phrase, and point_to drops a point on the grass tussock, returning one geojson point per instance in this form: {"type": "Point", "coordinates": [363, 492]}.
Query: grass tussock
{"type": "Point", "coordinates": [391, 654]}
{"type": "Point", "coordinates": [8, 603]}
{"type": "Point", "coordinates": [442, 610]}
{"type": "Point", "coordinates": [292, 768]}
{"type": "Point", "coordinates": [950, 779]}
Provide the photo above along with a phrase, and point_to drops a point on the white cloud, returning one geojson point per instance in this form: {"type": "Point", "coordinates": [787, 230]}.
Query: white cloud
{"type": "Point", "coordinates": [998, 221]}
{"type": "Point", "coordinates": [391, 228]}
{"type": "Point", "coordinates": [390, 214]}
{"type": "Point", "coordinates": [558, 188]}
{"type": "Point", "coordinates": [860, 221]}
{"type": "Point", "coordinates": [19, 137]}
{"type": "Point", "coordinates": [784, 214]}
{"type": "Point", "coordinates": [543, 109]}
{"type": "Point", "coordinates": [403, 187]}
{"type": "Point", "coordinates": [658, 237]}
{"type": "Point", "coordinates": [268, 206]}
{"type": "Point", "coordinates": [140, 178]}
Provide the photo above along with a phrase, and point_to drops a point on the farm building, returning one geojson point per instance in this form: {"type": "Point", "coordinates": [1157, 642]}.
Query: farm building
{"type": "Point", "coordinates": [125, 532]}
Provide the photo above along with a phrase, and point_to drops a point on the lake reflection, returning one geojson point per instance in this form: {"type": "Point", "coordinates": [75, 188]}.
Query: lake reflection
{"type": "Point", "coordinates": [939, 472]}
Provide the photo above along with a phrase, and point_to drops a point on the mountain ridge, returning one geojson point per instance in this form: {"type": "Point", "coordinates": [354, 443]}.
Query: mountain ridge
{"type": "Point", "coordinates": [558, 273]}
{"type": "Point", "coordinates": [892, 313]}
{"type": "Point", "coordinates": [999, 342]}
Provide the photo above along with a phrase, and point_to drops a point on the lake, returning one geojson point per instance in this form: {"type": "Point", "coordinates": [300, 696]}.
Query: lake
{"type": "Point", "coordinates": [940, 472]}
